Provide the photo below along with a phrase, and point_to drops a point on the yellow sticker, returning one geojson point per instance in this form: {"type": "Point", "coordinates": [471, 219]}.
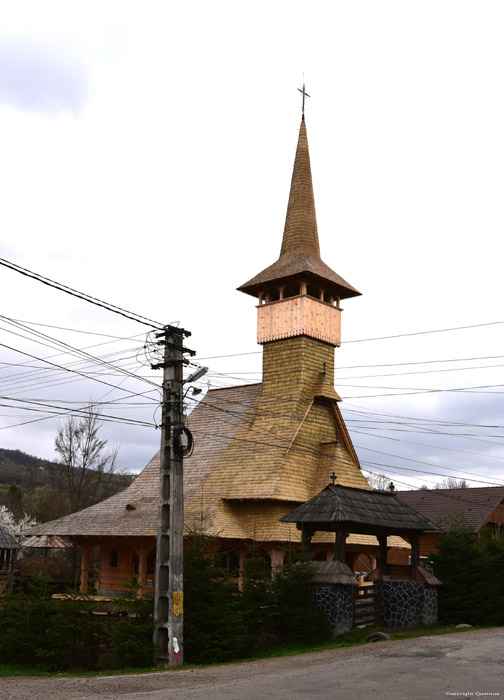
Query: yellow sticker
{"type": "Point", "coordinates": [178, 603]}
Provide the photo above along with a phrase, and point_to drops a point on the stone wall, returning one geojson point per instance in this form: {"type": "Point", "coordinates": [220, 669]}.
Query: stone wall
{"type": "Point", "coordinates": [408, 603]}
{"type": "Point", "coordinates": [335, 601]}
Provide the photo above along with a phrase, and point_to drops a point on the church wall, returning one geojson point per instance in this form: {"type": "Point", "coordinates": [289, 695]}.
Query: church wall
{"type": "Point", "coordinates": [122, 561]}
{"type": "Point", "coordinates": [294, 364]}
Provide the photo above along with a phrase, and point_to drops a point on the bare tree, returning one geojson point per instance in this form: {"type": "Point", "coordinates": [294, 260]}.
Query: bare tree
{"type": "Point", "coordinates": [87, 468]}
{"type": "Point", "coordinates": [451, 483]}
{"type": "Point", "coordinates": [378, 482]}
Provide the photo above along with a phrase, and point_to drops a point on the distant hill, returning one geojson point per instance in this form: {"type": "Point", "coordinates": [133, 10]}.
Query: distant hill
{"type": "Point", "coordinates": [17, 467]}
{"type": "Point", "coordinates": [24, 470]}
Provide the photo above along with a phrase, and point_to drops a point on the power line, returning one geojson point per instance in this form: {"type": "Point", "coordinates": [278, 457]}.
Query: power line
{"type": "Point", "coordinates": [436, 330]}
{"type": "Point", "coordinates": [67, 347]}
{"type": "Point", "coordinates": [78, 330]}
{"type": "Point", "coordinates": [300, 445]}
{"type": "Point", "coordinates": [82, 295]}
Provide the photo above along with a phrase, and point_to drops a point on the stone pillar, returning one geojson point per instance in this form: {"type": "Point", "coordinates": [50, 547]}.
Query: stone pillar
{"type": "Point", "coordinates": [335, 602]}
{"type": "Point", "coordinates": [84, 567]}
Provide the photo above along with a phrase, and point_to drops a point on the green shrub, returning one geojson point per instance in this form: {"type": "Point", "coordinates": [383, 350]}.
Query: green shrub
{"type": "Point", "coordinates": [68, 633]}
{"type": "Point", "coordinates": [471, 570]}
{"type": "Point", "coordinates": [214, 628]}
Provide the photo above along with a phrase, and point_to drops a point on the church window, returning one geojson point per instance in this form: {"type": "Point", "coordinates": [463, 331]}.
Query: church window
{"type": "Point", "coordinates": [228, 560]}
{"type": "Point", "coordinates": [258, 559]}
{"type": "Point", "coordinates": [135, 563]}
{"type": "Point", "coordinates": [114, 556]}
{"type": "Point", "coordinates": [151, 561]}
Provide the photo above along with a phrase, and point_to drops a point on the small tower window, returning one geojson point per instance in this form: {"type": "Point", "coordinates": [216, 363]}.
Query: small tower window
{"type": "Point", "coordinates": [291, 290]}
{"type": "Point", "coordinates": [313, 291]}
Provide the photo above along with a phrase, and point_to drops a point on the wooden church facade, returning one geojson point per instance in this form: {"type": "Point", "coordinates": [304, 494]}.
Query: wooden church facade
{"type": "Point", "coordinates": [262, 449]}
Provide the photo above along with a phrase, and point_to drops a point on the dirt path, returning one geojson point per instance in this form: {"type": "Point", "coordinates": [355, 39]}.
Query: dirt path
{"type": "Point", "coordinates": [468, 664]}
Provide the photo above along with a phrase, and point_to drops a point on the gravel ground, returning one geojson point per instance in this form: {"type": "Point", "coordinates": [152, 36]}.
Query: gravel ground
{"type": "Point", "coordinates": [468, 664]}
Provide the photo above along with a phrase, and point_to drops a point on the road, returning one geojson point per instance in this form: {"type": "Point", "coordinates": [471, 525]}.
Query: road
{"type": "Point", "coordinates": [466, 664]}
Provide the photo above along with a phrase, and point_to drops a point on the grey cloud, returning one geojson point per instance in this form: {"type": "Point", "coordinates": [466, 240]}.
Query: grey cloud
{"type": "Point", "coordinates": [463, 407]}
{"type": "Point", "coordinates": [42, 76]}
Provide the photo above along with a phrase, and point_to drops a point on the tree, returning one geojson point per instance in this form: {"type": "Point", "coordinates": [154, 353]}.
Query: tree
{"type": "Point", "coordinates": [87, 468]}
{"type": "Point", "coordinates": [378, 482]}
{"type": "Point", "coordinates": [13, 526]}
{"type": "Point", "coordinates": [451, 483]}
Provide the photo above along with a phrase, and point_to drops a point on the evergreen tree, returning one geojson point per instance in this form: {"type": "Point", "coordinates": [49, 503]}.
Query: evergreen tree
{"type": "Point", "coordinates": [214, 628]}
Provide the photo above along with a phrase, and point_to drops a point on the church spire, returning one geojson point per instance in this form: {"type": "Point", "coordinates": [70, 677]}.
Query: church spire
{"type": "Point", "coordinates": [300, 232]}
{"type": "Point", "coordinates": [300, 253]}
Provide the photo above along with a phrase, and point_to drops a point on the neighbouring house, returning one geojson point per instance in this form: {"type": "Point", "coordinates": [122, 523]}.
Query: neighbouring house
{"type": "Point", "coordinates": [481, 508]}
{"type": "Point", "coordinates": [261, 449]}
{"type": "Point", "coordinates": [9, 548]}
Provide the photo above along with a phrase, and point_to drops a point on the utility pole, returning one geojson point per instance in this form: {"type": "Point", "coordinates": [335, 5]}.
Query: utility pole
{"type": "Point", "coordinates": [169, 591]}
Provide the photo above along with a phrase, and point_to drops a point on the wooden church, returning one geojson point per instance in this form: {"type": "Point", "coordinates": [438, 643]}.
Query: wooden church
{"type": "Point", "coordinates": [262, 449]}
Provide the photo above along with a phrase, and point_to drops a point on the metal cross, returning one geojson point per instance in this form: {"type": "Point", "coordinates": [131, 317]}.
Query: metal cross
{"type": "Point", "coordinates": [305, 94]}
{"type": "Point", "coordinates": [333, 478]}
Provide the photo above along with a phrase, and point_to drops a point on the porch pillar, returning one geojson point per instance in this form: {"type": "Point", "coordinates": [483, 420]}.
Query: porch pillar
{"type": "Point", "coordinates": [84, 567]}
{"type": "Point", "coordinates": [382, 554]}
{"type": "Point", "coordinates": [340, 546]}
{"type": "Point", "coordinates": [306, 537]}
{"type": "Point", "coordinates": [415, 552]}
{"type": "Point", "coordinates": [277, 557]}
{"type": "Point", "coordinates": [142, 569]}
{"type": "Point", "coordinates": [242, 556]}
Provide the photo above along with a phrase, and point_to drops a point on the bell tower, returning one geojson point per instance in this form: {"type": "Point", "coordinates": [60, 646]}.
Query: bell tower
{"type": "Point", "coordinates": [299, 295]}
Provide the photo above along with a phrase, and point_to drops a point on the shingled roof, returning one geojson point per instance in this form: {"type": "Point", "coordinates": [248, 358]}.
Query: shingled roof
{"type": "Point", "coordinates": [300, 252]}
{"type": "Point", "coordinates": [439, 505]}
{"type": "Point", "coordinates": [359, 511]}
{"type": "Point", "coordinates": [7, 541]}
{"type": "Point", "coordinates": [244, 475]}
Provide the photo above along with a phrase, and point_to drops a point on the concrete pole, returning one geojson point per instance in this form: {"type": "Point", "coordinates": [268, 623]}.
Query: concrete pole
{"type": "Point", "coordinates": [169, 590]}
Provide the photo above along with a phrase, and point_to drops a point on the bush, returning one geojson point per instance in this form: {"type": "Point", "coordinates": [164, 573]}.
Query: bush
{"type": "Point", "coordinates": [67, 633]}
{"type": "Point", "coordinates": [297, 618]}
{"type": "Point", "coordinates": [223, 622]}
{"type": "Point", "coordinates": [214, 627]}
{"type": "Point", "coordinates": [471, 570]}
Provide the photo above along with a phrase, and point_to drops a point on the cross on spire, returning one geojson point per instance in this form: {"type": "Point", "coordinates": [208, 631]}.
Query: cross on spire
{"type": "Point", "coordinates": [305, 94]}
{"type": "Point", "coordinates": [333, 478]}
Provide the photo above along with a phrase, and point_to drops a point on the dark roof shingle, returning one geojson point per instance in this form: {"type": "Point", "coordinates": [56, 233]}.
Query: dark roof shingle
{"type": "Point", "coordinates": [360, 510]}
{"type": "Point", "coordinates": [475, 504]}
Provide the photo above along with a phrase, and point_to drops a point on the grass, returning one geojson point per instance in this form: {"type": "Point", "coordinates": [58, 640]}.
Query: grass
{"type": "Point", "coordinates": [355, 637]}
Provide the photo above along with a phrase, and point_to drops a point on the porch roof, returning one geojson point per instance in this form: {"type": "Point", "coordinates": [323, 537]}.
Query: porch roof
{"type": "Point", "coordinates": [360, 511]}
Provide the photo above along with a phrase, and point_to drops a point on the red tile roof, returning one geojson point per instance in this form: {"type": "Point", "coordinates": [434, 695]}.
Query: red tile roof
{"type": "Point", "coordinates": [476, 505]}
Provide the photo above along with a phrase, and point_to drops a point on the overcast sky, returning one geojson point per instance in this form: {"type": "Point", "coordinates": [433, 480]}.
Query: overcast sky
{"type": "Point", "coordinates": [146, 155]}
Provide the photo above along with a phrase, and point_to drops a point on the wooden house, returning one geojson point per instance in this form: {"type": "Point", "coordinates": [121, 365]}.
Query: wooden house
{"type": "Point", "coordinates": [480, 508]}
{"type": "Point", "coordinates": [9, 548]}
{"type": "Point", "coordinates": [262, 449]}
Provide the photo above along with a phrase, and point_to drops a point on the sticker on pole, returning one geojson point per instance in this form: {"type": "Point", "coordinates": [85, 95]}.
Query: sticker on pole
{"type": "Point", "coordinates": [178, 603]}
{"type": "Point", "coordinates": [176, 650]}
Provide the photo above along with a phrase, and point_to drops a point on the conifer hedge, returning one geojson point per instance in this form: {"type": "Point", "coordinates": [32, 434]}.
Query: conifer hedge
{"type": "Point", "coordinates": [471, 570]}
